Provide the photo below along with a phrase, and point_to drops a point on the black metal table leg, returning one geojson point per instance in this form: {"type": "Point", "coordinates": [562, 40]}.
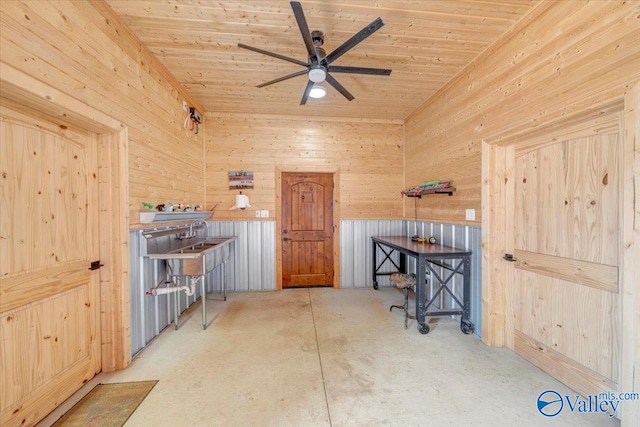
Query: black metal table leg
{"type": "Point", "coordinates": [374, 267]}
{"type": "Point", "coordinates": [466, 326]}
{"type": "Point", "coordinates": [421, 292]}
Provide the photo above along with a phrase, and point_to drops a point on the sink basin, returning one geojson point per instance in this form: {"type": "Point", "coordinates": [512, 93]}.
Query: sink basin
{"type": "Point", "coordinates": [197, 248]}
{"type": "Point", "coordinates": [198, 258]}
{"type": "Point", "coordinates": [188, 254]}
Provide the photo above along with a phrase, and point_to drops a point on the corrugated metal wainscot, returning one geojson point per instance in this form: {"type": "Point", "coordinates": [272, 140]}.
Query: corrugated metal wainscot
{"type": "Point", "coordinates": [251, 267]}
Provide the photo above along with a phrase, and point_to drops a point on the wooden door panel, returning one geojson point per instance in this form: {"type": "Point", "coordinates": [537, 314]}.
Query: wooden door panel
{"type": "Point", "coordinates": [570, 190]}
{"type": "Point", "coordinates": [564, 294]}
{"type": "Point", "coordinates": [49, 299]}
{"type": "Point", "coordinates": [307, 207]}
{"type": "Point", "coordinates": [307, 229]}
{"type": "Point", "coordinates": [308, 263]}
{"type": "Point", "coordinates": [48, 337]}
{"type": "Point", "coordinates": [575, 320]}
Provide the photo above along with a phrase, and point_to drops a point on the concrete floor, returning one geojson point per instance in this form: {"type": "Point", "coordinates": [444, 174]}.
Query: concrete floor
{"type": "Point", "coordinates": [327, 357]}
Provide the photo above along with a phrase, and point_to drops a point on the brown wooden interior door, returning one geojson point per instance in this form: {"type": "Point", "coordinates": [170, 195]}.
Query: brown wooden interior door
{"type": "Point", "coordinates": [564, 294]}
{"type": "Point", "coordinates": [49, 299]}
{"type": "Point", "coordinates": [307, 229]}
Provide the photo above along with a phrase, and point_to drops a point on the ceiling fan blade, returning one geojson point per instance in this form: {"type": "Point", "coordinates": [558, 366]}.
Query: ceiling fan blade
{"type": "Point", "coordinates": [306, 93]}
{"type": "Point", "coordinates": [279, 79]}
{"type": "Point", "coordinates": [354, 40]}
{"type": "Point", "coordinates": [275, 55]}
{"type": "Point", "coordinates": [304, 28]}
{"type": "Point", "coordinates": [333, 82]}
{"type": "Point", "coordinates": [359, 70]}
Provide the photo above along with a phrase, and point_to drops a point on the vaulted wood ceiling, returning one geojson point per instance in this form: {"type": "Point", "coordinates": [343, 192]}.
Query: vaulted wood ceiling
{"type": "Point", "coordinates": [424, 42]}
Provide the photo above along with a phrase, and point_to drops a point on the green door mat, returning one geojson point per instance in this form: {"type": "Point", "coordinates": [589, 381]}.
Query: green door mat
{"type": "Point", "coordinates": [107, 405]}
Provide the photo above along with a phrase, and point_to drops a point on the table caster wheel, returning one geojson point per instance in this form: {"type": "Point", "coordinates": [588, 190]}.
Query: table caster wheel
{"type": "Point", "coordinates": [375, 286]}
{"type": "Point", "coordinates": [467, 327]}
{"type": "Point", "coordinates": [423, 329]}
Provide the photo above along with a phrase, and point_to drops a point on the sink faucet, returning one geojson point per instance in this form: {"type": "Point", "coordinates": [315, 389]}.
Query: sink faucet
{"type": "Point", "coordinates": [196, 222]}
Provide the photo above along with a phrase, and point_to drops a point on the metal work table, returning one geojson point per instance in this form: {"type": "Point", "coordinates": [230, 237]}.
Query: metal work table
{"type": "Point", "coordinates": [427, 257]}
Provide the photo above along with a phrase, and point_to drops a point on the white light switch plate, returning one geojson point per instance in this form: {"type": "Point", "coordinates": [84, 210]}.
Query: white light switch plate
{"type": "Point", "coordinates": [264, 213]}
{"type": "Point", "coordinates": [470, 215]}
{"type": "Point", "coordinates": [257, 214]}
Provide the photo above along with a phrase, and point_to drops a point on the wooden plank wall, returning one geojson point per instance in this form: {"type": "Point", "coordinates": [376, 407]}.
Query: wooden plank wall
{"type": "Point", "coordinates": [367, 155]}
{"type": "Point", "coordinates": [562, 59]}
{"type": "Point", "coordinates": [82, 49]}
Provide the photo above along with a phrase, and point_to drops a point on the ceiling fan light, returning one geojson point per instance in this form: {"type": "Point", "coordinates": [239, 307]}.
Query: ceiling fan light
{"type": "Point", "coordinates": [317, 75]}
{"type": "Point", "coordinates": [317, 92]}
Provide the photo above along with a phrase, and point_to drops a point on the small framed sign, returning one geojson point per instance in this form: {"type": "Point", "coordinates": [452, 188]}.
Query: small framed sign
{"type": "Point", "coordinates": [239, 180]}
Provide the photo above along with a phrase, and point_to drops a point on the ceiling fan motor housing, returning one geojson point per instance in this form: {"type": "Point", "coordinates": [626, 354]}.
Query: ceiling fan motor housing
{"type": "Point", "coordinates": [318, 74]}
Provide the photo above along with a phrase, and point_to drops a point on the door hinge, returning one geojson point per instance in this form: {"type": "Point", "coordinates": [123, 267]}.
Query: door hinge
{"type": "Point", "coordinates": [509, 257]}
{"type": "Point", "coordinates": [95, 265]}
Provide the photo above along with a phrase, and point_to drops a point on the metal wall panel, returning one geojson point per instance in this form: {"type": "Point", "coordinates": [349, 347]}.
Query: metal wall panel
{"type": "Point", "coordinates": [252, 266]}
{"type": "Point", "coordinates": [356, 249]}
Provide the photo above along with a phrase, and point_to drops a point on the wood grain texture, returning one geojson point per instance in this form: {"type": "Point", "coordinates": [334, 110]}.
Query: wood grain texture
{"type": "Point", "coordinates": [425, 43]}
{"type": "Point", "coordinates": [566, 237]}
{"type": "Point", "coordinates": [560, 60]}
{"type": "Point", "coordinates": [560, 366]}
{"type": "Point", "coordinates": [577, 321]}
{"type": "Point", "coordinates": [599, 276]}
{"type": "Point", "coordinates": [83, 49]}
{"type": "Point", "coordinates": [308, 227]}
{"type": "Point", "coordinates": [497, 239]}
{"type": "Point", "coordinates": [50, 301]}
{"type": "Point", "coordinates": [567, 199]}
{"type": "Point", "coordinates": [45, 195]}
{"type": "Point", "coordinates": [115, 290]}
{"type": "Point", "coordinates": [630, 228]}
{"type": "Point", "coordinates": [368, 155]}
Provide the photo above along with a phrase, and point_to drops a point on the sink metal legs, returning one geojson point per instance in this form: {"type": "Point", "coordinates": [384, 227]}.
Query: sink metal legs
{"type": "Point", "coordinates": [176, 309]}
{"type": "Point", "coordinates": [224, 279]}
{"type": "Point", "coordinates": [204, 300]}
{"type": "Point", "coordinates": [203, 292]}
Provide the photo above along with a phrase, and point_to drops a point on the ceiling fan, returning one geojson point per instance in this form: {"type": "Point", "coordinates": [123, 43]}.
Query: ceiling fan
{"type": "Point", "coordinates": [318, 66]}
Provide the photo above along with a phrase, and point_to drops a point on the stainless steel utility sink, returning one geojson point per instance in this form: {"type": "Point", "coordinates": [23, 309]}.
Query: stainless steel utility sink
{"type": "Point", "coordinates": [199, 257]}
{"type": "Point", "coordinates": [188, 253]}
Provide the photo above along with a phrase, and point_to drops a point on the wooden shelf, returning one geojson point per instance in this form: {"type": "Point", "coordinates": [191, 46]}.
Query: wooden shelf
{"type": "Point", "coordinates": [449, 191]}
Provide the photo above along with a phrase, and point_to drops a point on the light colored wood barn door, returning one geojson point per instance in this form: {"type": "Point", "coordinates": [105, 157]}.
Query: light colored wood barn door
{"type": "Point", "coordinates": [564, 295]}
{"type": "Point", "coordinates": [49, 298]}
{"type": "Point", "coordinates": [307, 229]}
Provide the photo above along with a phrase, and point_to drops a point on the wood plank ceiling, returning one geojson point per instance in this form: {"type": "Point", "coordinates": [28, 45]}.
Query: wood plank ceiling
{"type": "Point", "coordinates": [424, 42]}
